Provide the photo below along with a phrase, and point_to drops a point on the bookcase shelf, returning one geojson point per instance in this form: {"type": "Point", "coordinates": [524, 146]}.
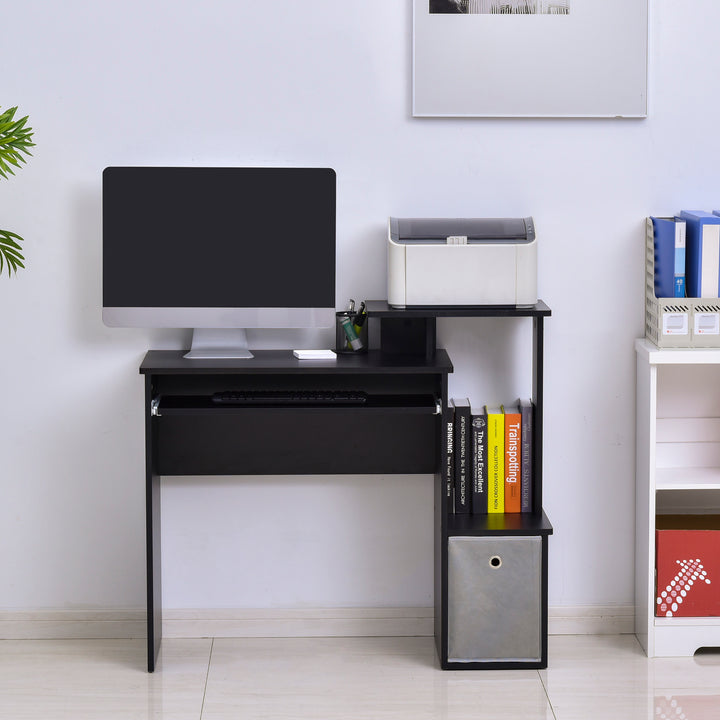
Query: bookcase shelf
{"type": "Point", "coordinates": [677, 472]}
{"type": "Point", "coordinates": [490, 569]}
{"type": "Point", "coordinates": [687, 478]}
{"type": "Point", "coordinates": [499, 524]}
{"type": "Point", "coordinates": [688, 622]}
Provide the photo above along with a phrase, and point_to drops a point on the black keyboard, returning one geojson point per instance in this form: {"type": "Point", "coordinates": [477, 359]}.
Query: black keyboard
{"type": "Point", "coordinates": [289, 397]}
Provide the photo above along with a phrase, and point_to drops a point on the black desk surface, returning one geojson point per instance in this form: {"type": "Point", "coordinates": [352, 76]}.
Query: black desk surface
{"type": "Point", "coordinates": [283, 361]}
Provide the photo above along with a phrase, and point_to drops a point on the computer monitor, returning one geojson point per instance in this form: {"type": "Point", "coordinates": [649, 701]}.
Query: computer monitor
{"type": "Point", "coordinates": [219, 250]}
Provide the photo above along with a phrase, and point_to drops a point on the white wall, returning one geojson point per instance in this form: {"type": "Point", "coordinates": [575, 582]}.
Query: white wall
{"type": "Point", "coordinates": [315, 83]}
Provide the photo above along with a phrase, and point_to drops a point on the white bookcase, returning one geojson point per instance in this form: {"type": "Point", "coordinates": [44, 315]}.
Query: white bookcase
{"type": "Point", "coordinates": [677, 471]}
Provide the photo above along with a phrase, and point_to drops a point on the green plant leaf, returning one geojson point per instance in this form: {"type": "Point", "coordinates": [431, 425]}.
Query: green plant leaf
{"type": "Point", "coordinates": [10, 255]}
{"type": "Point", "coordinates": [15, 142]}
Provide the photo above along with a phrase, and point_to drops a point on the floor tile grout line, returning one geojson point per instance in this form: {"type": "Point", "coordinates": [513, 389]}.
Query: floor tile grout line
{"type": "Point", "coordinates": [207, 676]}
{"type": "Point", "coordinates": [549, 702]}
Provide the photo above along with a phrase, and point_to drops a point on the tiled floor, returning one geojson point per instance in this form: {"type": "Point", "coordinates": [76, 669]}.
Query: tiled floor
{"type": "Point", "coordinates": [336, 678]}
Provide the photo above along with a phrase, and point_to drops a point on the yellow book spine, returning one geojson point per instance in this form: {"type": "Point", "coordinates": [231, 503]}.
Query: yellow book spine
{"type": "Point", "coordinates": [496, 460]}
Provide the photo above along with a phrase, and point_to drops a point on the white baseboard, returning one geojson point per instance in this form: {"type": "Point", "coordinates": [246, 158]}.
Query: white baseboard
{"type": "Point", "coordinates": [591, 620]}
{"type": "Point", "coordinates": [69, 624]}
{"type": "Point", "coordinates": [312, 622]}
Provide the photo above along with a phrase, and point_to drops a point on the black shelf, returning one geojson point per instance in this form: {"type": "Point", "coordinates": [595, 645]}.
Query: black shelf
{"type": "Point", "coordinates": [381, 309]}
{"type": "Point", "coordinates": [499, 524]}
{"type": "Point", "coordinates": [412, 331]}
{"type": "Point", "coordinates": [407, 332]}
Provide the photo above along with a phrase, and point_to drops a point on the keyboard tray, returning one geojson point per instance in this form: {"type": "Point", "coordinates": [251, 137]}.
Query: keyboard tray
{"type": "Point", "coordinates": [289, 397]}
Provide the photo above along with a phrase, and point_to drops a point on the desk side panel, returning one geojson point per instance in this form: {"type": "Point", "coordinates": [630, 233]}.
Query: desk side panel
{"type": "Point", "coordinates": [152, 538]}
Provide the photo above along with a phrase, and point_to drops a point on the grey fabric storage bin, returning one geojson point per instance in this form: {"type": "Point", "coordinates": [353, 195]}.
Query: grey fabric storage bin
{"type": "Point", "coordinates": [494, 599]}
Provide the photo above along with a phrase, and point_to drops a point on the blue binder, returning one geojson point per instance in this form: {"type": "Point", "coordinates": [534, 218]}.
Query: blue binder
{"type": "Point", "coordinates": [702, 257]}
{"type": "Point", "coordinates": [669, 244]}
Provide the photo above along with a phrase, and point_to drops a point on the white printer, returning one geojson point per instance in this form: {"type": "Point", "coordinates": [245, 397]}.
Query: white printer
{"type": "Point", "coordinates": [461, 261]}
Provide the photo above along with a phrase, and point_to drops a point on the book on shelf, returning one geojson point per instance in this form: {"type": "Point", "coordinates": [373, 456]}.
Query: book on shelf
{"type": "Point", "coordinates": [488, 457]}
{"type": "Point", "coordinates": [702, 253]}
{"type": "Point", "coordinates": [526, 449]}
{"type": "Point", "coordinates": [479, 461]}
{"type": "Point", "coordinates": [496, 458]}
{"type": "Point", "coordinates": [462, 453]}
{"type": "Point", "coordinates": [512, 458]}
{"type": "Point", "coordinates": [449, 460]}
{"type": "Point", "coordinates": [669, 243]}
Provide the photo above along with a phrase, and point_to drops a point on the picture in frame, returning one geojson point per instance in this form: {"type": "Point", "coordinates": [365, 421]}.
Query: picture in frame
{"type": "Point", "coordinates": [530, 58]}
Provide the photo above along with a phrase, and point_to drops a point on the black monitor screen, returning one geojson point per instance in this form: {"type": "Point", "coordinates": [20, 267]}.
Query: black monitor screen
{"type": "Point", "coordinates": [191, 237]}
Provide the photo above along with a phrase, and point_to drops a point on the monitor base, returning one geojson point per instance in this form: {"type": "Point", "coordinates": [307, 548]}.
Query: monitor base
{"type": "Point", "coordinates": [218, 344]}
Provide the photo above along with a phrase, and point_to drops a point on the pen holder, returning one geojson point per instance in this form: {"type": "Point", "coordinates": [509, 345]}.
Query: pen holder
{"type": "Point", "coordinates": [350, 336]}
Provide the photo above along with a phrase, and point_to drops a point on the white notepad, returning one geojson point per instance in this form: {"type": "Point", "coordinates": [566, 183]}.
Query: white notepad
{"type": "Point", "coordinates": [315, 354]}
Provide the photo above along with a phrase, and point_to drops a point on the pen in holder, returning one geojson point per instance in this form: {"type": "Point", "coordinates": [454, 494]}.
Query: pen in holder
{"type": "Point", "coordinates": [351, 334]}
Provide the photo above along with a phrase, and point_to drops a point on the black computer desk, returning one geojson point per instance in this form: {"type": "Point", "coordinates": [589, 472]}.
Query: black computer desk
{"type": "Point", "coordinates": [399, 430]}
{"type": "Point", "coordinates": [396, 431]}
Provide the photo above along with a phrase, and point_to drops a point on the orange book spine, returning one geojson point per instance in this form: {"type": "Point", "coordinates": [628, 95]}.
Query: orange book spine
{"type": "Point", "coordinates": [513, 460]}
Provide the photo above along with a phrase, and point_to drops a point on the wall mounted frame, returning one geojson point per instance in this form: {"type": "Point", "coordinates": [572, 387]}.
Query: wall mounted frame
{"type": "Point", "coordinates": [588, 61]}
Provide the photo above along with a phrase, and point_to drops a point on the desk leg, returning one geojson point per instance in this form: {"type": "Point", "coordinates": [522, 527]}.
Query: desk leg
{"type": "Point", "coordinates": [152, 538]}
